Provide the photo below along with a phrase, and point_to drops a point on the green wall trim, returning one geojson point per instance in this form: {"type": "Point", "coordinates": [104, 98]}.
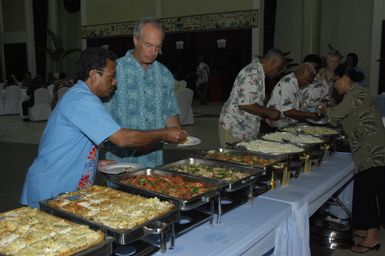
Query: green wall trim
{"type": "Point", "coordinates": [203, 22]}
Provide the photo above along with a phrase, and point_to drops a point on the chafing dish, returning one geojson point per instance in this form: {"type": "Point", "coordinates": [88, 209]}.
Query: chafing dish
{"type": "Point", "coordinates": [329, 135]}
{"type": "Point", "coordinates": [185, 204]}
{"type": "Point", "coordinates": [293, 165]}
{"type": "Point", "coordinates": [242, 157]}
{"type": "Point", "coordinates": [158, 225]}
{"type": "Point", "coordinates": [234, 185]}
{"type": "Point", "coordinates": [102, 249]}
{"type": "Point", "coordinates": [311, 144]}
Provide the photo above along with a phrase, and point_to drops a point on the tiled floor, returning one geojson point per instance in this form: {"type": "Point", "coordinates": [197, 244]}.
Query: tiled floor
{"type": "Point", "coordinates": [19, 140]}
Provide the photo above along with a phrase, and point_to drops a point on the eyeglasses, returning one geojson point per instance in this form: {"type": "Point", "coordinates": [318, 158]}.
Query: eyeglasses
{"type": "Point", "coordinates": [113, 76]}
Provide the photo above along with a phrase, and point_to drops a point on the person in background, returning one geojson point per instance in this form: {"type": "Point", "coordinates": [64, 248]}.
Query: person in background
{"type": "Point", "coordinates": [145, 98]}
{"type": "Point", "coordinates": [35, 84]}
{"type": "Point", "coordinates": [27, 79]}
{"type": "Point", "coordinates": [285, 97]}
{"type": "Point", "coordinates": [326, 74]}
{"type": "Point", "coordinates": [58, 85]}
{"type": "Point", "coordinates": [242, 113]}
{"type": "Point", "coordinates": [351, 62]}
{"type": "Point", "coordinates": [202, 82]}
{"type": "Point", "coordinates": [68, 151]}
{"type": "Point", "coordinates": [316, 92]}
{"type": "Point", "coordinates": [365, 131]}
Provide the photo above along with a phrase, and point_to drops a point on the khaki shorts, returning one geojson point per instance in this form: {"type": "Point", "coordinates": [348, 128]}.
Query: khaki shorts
{"type": "Point", "coordinates": [225, 136]}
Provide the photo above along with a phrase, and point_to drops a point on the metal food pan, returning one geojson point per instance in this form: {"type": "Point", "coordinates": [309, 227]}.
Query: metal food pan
{"type": "Point", "coordinates": [103, 248]}
{"type": "Point", "coordinates": [123, 237]}
{"type": "Point", "coordinates": [253, 173]}
{"type": "Point", "coordinates": [267, 154]}
{"type": "Point", "coordinates": [185, 204]}
{"type": "Point", "coordinates": [274, 159]}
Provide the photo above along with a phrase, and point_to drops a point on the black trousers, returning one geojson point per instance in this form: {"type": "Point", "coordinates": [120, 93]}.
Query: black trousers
{"type": "Point", "coordinates": [369, 198]}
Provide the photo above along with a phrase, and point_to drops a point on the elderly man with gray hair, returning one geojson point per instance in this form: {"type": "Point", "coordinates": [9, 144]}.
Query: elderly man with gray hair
{"type": "Point", "coordinates": [145, 97]}
{"type": "Point", "coordinates": [285, 96]}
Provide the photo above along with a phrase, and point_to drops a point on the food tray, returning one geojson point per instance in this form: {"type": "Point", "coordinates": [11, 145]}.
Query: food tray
{"type": "Point", "coordinates": [125, 236]}
{"type": "Point", "coordinates": [185, 204]}
{"type": "Point", "coordinates": [242, 153]}
{"type": "Point", "coordinates": [241, 147]}
{"type": "Point", "coordinates": [252, 173]}
{"type": "Point", "coordinates": [104, 248]}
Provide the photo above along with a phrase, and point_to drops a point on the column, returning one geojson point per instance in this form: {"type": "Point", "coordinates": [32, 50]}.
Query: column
{"type": "Point", "coordinates": [311, 27]}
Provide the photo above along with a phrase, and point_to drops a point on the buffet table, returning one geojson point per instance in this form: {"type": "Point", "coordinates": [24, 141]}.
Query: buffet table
{"type": "Point", "coordinates": [305, 195]}
{"type": "Point", "coordinates": [249, 229]}
{"type": "Point", "coordinates": [278, 218]}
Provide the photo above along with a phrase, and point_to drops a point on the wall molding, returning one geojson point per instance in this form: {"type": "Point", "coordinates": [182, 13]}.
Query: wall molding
{"type": "Point", "coordinates": [203, 22]}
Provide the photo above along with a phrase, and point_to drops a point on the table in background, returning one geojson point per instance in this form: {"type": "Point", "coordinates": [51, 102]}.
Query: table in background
{"type": "Point", "coordinates": [306, 194]}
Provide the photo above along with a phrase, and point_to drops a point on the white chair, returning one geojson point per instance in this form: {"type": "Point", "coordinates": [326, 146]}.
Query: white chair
{"type": "Point", "coordinates": [184, 98]}
{"type": "Point", "coordinates": [50, 91]}
{"type": "Point", "coordinates": [41, 107]}
{"type": "Point", "coordinates": [61, 92]}
{"type": "Point", "coordinates": [182, 84]}
{"type": "Point", "coordinates": [12, 100]}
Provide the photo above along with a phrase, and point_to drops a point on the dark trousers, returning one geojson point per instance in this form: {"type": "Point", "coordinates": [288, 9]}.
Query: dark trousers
{"type": "Point", "coordinates": [369, 198]}
{"type": "Point", "coordinates": [25, 105]}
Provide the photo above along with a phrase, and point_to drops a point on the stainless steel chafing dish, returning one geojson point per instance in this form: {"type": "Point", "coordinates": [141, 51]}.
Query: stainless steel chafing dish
{"type": "Point", "coordinates": [160, 225]}
{"type": "Point", "coordinates": [329, 135]}
{"type": "Point", "coordinates": [311, 144]}
{"type": "Point", "coordinates": [292, 167]}
{"type": "Point", "coordinates": [269, 159]}
{"type": "Point", "coordinates": [231, 186]}
{"type": "Point", "coordinates": [185, 204]}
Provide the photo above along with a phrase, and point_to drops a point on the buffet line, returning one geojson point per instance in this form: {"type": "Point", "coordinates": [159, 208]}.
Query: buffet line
{"type": "Point", "coordinates": [148, 208]}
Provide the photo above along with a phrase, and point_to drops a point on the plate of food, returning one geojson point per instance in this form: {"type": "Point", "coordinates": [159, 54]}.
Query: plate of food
{"type": "Point", "coordinates": [120, 168]}
{"type": "Point", "coordinates": [322, 121]}
{"type": "Point", "coordinates": [189, 141]}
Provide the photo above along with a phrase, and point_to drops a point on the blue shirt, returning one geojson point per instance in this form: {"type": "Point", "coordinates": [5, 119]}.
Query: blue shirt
{"type": "Point", "coordinates": [67, 157]}
{"type": "Point", "coordinates": [144, 100]}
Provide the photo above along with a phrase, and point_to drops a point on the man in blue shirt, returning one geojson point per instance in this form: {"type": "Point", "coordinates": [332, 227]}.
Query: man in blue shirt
{"type": "Point", "coordinates": [68, 152]}
{"type": "Point", "coordinates": [145, 97]}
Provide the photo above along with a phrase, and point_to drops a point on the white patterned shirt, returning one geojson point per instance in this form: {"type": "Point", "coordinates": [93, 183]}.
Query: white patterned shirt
{"type": "Point", "coordinates": [312, 95]}
{"type": "Point", "coordinates": [248, 88]}
{"type": "Point", "coordinates": [285, 96]}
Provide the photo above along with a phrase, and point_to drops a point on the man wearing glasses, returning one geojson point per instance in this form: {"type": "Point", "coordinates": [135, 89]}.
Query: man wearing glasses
{"type": "Point", "coordinates": [145, 97]}
{"type": "Point", "coordinates": [68, 150]}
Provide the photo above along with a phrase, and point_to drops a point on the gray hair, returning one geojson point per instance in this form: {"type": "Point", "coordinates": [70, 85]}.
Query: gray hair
{"type": "Point", "coordinates": [306, 68]}
{"type": "Point", "coordinates": [144, 21]}
{"type": "Point", "coordinates": [275, 54]}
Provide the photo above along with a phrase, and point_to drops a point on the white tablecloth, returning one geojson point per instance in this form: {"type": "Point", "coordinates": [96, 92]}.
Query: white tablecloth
{"type": "Point", "coordinates": [305, 195]}
{"type": "Point", "coordinates": [278, 218]}
{"type": "Point", "coordinates": [248, 230]}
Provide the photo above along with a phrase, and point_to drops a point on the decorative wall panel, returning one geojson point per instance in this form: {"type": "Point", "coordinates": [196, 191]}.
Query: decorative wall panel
{"type": "Point", "coordinates": [214, 21]}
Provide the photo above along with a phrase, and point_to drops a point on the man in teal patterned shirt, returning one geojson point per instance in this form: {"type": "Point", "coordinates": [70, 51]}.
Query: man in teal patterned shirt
{"type": "Point", "coordinates": [145, 97]}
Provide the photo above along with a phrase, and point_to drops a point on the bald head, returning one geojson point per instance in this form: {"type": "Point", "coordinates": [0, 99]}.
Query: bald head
{"type": "Point", "coordinates": [305, 73]}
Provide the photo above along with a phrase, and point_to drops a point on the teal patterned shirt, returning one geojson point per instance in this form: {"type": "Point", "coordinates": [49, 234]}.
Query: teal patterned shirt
{"type": "Point", "coordinates": [363, 126]}
{"type": "Point", "coordinates": [144, 100]}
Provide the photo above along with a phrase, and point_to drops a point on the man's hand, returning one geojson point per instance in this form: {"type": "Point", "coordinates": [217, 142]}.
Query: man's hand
{"type": "Point", "coordinates": [174, 135]}
{"type": "Point", "coordinates": [105, 162]}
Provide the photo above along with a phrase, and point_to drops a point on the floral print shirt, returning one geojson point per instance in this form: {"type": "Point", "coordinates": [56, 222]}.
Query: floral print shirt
{"type": "Point", "coordinates": [143, 100]}
{"type": "Point", "coordinates": [248, 88]}
{"type": "Point", "coordinates": [363, 126]}
{"type": "Point", "coordinates": [285, 96]}
{"type": "Point", "coordinates": [312, 95]}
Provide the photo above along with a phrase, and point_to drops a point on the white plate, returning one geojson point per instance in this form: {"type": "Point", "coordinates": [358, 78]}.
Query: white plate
{"type": "Point", "coordinates": [120, 168]}
{"type": "Point", "coordinates": [322, 121]}
{"type": "Point", "coordinates": [191, 141]}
